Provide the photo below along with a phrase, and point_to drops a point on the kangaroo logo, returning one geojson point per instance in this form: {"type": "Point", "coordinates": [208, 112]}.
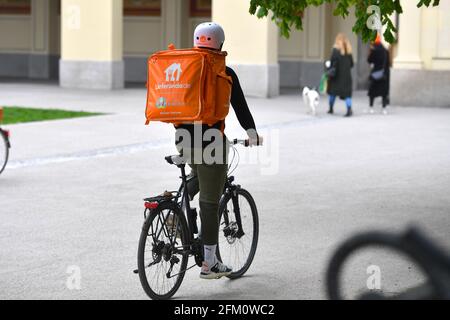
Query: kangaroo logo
{"type": "Point", "coordinates": [170, 72]}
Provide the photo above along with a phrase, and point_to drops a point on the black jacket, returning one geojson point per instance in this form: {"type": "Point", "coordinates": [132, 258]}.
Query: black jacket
{"type": "Point", "coordinates": [240, 107]}
{"type": "Point", "coordinates": [380, 59]}
{"type": "Point", "coordinates": [342, 83]}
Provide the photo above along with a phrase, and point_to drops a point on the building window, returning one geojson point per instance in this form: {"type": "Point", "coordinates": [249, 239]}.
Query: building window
{"type": "Point", "coordinates": [15, 6]}
{"type": "Point", "coordinates": [201, 8]}
{"type": "Point", "coordinates": [142, 7]}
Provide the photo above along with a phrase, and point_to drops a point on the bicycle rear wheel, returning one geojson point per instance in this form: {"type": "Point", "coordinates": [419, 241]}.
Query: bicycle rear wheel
{"type": "Point", "coordinates": [4, 151]}
{"type": "Point", "coordinates": [162, 253]}
{"type": "Point", "coordinates": [237, 247]}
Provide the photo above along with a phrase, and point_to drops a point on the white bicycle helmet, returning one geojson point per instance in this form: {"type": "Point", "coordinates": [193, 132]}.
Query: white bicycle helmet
{"type": "Point", "coordinates": [209, 35]}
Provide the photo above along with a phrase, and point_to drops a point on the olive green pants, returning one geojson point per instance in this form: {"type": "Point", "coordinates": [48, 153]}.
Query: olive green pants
{"type": "Point", "coordinates": [209, 180]}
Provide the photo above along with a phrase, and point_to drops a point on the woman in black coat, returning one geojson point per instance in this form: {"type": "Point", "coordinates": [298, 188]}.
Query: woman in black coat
{"type": "Point", "coordinates": [340, 83]}
{"type": "Point", "coordinates": [379, 58]}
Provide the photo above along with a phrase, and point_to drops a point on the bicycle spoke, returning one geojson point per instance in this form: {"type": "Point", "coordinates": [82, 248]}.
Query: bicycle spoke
{"type": "Point", "coordinates": [155, 277]}
{"type": "Point", "coordinates": [162, 253]}
{"type": "Point", "coordinates": [236, 257]}
{"type": "Point", "coordinates": [163, 224]}
{"type": "Point", "coordinates": [244, 250]}
{"type": "Point", "coordinates": [155, 234]}
{"type": "Point", "coordinates": [237, 252]}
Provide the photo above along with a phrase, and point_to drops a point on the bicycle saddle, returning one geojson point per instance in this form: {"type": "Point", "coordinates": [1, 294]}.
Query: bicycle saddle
{"type": "Point", "coordinates": [176, 160]}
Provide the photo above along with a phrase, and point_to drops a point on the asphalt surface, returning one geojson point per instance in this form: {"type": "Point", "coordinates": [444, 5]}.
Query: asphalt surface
{"type": "Point", "coordinates": [71, 196]}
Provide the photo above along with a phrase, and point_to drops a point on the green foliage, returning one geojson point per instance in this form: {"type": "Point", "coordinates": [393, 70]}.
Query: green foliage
{"type": "Point", "coordinates": [288, 13]}
{"type": "Point", "coordinates": [14, 115]}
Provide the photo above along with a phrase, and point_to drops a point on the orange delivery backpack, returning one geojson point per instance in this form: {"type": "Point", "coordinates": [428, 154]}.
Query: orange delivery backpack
{"type": "Point", "coordinates": [187, 86]}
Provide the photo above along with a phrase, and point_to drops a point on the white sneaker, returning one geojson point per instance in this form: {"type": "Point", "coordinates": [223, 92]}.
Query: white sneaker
{"type": "Point", "coordinates": [371, 111]}
{"type": "Point", "coordinates": [218, 271]}
{"type": "Point", "coordinates": [385, 112]}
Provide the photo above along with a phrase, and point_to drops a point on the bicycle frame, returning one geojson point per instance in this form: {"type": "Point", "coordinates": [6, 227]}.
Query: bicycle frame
{"type": "Point", "coordinates": [189, 245]}
{"type": "Point", "coordinates": [5, 134]}
{"type": "Point", "coordinates": [183, 194]}
{"type": "Point", "coordinates": [231, 189]}
{"type": "Point", "coordinates": [185, 205]}
{"type": "Point", "coordinates": [182, 200]}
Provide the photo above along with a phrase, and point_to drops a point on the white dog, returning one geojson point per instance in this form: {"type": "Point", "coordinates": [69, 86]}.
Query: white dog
{"type": "Point", "coordinates": [311, 99]}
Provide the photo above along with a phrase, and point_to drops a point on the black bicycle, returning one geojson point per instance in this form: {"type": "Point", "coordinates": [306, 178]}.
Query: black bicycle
{"type": "Point", "coordinates": [5, 145]}
{"type": "Point", "coordinates": [170, 234]}
{"type": "Point", "coordinates": [432, 259]}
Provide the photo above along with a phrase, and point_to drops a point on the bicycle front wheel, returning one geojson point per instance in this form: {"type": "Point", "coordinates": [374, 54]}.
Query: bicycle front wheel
{"type": "Point", "coordinates": [239, 230]}
{"type": "Point", "coordinates": [162, 253]}
{"type": "Point", "coordinates": [4, 152]}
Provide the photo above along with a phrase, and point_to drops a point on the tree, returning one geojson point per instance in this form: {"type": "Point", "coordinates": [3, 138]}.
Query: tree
{"type": "Point", "coordinates": [371, 15]}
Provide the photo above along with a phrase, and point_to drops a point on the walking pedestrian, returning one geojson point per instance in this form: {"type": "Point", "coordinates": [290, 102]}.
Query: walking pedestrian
{"type": "Point", "coordinates": [340, 83]}
{"type": "Point", "coordinates": [379, 78]}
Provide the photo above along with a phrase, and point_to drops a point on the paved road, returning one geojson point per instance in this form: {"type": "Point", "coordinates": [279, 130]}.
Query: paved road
{"type": "Point", "coordinates": [71, 195]}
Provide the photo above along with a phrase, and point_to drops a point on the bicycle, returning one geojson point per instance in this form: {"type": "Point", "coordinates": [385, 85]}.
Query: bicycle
{"type": "Point", "coordinates": [168, 238]}
{"type": "Point", "coordinates": [428, 256]}
{"type": "Point", "coordinates": [5, 145]}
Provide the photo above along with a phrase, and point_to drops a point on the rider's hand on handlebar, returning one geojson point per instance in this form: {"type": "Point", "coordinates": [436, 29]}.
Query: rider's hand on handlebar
{"type": "Point", "coordinates": [255, 141]}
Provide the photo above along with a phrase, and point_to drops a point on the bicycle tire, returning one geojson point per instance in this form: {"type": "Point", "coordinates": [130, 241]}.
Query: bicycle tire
{"type": "Point", "coordinates": [142, 245]}
{"type": "Point", "coordinates": [385, 240]}
{"type": "Point", "coordinates": [6, 150]}
{"type": "Point", "coordinates": [254, 213]}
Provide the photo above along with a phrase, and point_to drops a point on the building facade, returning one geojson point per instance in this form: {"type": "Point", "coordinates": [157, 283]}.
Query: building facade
{"type": "Point", "coordinates": [104, 43]}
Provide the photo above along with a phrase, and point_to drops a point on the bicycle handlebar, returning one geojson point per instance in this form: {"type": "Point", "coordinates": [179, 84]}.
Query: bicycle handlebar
{"type": "Point", "coordinates": [245, 142]}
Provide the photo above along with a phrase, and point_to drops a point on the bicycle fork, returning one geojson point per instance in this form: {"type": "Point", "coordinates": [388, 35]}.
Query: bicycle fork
{"type": "Point", "coordinates": [5, 134]}
{"type": "Point", "coordinates": [239, 233]}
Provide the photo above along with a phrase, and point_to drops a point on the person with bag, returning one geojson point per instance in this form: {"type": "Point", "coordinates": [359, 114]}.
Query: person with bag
{"type": "Point", "coordinates": [193, 89]}
{"type": "Point", "coordinates": [379, 78]}
{"type": "Point", "coordinates": [340, 83]}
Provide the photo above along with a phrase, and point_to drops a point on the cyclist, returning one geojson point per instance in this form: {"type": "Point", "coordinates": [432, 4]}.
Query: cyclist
{"type": "Point", "coordinates": [209, 178]}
